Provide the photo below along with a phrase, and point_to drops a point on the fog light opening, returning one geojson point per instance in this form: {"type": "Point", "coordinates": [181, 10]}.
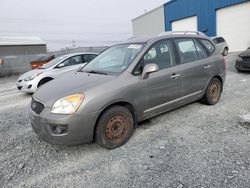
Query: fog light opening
{"type": "Point", "coordinates": [59, 129]}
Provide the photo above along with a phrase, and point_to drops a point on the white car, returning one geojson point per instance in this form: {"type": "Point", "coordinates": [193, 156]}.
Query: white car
{"type": "Point", "coordinates": [221, 44]}
{"type": "Point", "coordinates": [31, 80]}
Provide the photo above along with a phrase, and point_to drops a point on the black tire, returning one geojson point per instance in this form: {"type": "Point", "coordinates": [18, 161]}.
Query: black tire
{"type": "Point", "coordinates": [213, 92]}
{"type": "Point", "coordinates": [225, 52]}
{"type": "Point", "coordinates": [114, 128]}
{"type": "Point", "coordinates": [238, 69]}
{"type": "Point", "coordinates": [43, 81]}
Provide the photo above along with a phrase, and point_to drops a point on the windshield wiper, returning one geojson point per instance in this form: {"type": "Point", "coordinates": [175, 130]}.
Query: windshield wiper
{"type": "Point", "coordinates": [94, 72]}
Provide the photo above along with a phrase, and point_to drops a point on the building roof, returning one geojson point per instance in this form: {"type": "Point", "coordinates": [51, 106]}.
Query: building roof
{"type": "Point", "coordinates": [20, 41]}
{"type": "Point", "coordinates": [148, 12]}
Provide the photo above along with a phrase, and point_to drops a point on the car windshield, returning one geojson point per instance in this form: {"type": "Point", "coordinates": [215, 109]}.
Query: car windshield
{"type": "Point", "coordinates": [114, 60]}
{"type": "Point", "coordinates": [53, 62]}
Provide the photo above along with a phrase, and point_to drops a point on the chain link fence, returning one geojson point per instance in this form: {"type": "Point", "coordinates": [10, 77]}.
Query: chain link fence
{"type": "Point", "coordinates": [79, 49]}
{"type": "Point", "coordinates": [12, 65]}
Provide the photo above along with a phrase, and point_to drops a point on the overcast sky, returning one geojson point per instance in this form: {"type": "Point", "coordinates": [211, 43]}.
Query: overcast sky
{"type": "Point", "coordinates": [59, 22]}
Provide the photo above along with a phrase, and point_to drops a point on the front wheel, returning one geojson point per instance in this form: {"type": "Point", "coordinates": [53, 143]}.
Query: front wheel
{"type": "Point", "coordinates": [213, 92]}
{"type": "Point", "coordinates": [114, 127]}
{"type": "Point", "coordinates": [237, 69]}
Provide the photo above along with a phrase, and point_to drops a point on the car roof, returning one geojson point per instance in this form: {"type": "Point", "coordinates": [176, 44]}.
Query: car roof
{"type": "Point", "coordinates": [146, 39]}
{"type": "Point", "coordinates": [215, 37]}
{"type": "Point", "coordinates": [81, 53]}
{"type": "Point", "coordinates": [77, 53]}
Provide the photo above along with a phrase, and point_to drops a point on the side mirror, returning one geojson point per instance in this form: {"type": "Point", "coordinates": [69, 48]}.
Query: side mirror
{"type": "Point", "coordinates": [149, 68]}
{"type": "Point", "coordinates": [61, 65]}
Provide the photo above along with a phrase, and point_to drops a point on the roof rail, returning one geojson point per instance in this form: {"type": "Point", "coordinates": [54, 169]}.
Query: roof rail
{"type": "Point", "coordinates": [182, 33]}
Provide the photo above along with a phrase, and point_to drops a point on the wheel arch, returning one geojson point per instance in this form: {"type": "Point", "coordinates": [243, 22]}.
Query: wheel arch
{"type": "Point", "coordinates": [48, 78]}
{"type": "Point", "coordinates": [219, 78]}
{"type": "Point", "coordinates": [223, 51]}
{"type": "Point", "coordinates": [216, 76]}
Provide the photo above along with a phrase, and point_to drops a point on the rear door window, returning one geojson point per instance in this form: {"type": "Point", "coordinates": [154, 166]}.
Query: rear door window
{"type": "Point", "coordinates": [75, 60]}
{"type": "Point", "coordinates": [88, 57]}
{"type": "Point", "coordinates": [187, 50]}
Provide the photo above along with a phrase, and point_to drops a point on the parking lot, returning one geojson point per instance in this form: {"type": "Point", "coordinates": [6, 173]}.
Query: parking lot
{"type": "Point", "coordinates": [193, 146]}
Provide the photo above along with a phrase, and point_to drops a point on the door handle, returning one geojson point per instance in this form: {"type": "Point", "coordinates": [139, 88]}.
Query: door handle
{"type": "Point", "coordinates": [207, 66]}
{"type": "Point", "coordinates": [175, 76]}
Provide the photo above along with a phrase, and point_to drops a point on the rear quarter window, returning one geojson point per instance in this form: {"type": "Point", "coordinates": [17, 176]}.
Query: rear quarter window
{"type": "Point", "coordinates": [209, 46]}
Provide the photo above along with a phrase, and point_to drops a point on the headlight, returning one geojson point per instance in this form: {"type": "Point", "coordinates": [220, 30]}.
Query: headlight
{"type": "Point", "coordinates": [68, 104]}
{"type": "Point", "coordinates": [32, 77]}
{"type": "Point", "coordinates": [239, 58]}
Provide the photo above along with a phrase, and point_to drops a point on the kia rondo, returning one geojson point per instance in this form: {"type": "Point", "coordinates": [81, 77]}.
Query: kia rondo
{"type": "Point", "coordinates": [126, 84]}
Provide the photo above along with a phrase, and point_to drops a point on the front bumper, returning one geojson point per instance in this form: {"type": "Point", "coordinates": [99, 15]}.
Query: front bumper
{"type": "Point", "coordinates": [242, 65]}
{"type": "Point", "coordinates": [78, 129]}
{"type": "Point", "coordinates": [26, 86]}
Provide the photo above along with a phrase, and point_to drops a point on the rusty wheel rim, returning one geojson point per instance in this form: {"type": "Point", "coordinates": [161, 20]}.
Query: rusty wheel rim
{"type": "Point", "coordinates": [117, 129]}
{"type": "Point", "coordinates": [214, 91]}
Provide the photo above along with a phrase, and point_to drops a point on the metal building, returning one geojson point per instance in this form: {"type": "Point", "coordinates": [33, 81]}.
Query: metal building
{"type": "Point", "coordinates": [152, 22]}
{"type": "Point", "coordinates": [227, 18]}
{"type": "Point", "coordinates": [17, 52]}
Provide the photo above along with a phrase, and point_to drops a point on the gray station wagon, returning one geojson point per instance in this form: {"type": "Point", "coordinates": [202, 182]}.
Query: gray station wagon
{"type": "Point", "coordinates": [126, 84]}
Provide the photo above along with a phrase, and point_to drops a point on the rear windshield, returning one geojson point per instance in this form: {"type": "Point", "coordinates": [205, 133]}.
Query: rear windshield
{"type": "Point", "coordinates": [218, 40]}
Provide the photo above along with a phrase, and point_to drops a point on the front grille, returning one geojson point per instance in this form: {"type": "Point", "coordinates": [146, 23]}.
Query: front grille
{"type": "Point", "coordinates": [19, 87]}
{"type": "Point", "coordinates": [246, 58]}
{"type": "Point", "coordinates": [37, 106]}
{"type": "Point", "coordinates": [246, 67]}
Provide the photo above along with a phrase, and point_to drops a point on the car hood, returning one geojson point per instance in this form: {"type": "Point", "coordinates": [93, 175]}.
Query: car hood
{"type": "Point", "coordinates": [31, 73]}
{"type": "Point", "coordinates": [245, 53]}
{"type": "Point", "coordinates": [70, 83]}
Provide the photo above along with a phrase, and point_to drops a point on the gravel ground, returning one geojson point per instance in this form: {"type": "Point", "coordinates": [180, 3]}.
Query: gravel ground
{"type": "Point", "coordinates": [193, 146]}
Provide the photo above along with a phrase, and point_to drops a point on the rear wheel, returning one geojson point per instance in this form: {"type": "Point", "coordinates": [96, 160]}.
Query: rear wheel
{"type": "Point", "coordinates": [114, 127]}
{"type": "Point", "coordinates": [213, 92]}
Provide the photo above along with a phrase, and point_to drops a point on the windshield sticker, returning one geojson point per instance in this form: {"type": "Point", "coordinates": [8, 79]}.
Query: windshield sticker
{"type": "Point", "coordinates": [134, 46]}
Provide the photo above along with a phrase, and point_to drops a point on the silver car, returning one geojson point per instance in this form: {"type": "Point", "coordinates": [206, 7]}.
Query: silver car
{"type": "Point", "coordinates": [30, 81]}
{"type": "Point", "coordinates": [221, 45]}
{"type": "Point", "coordinates": [126, 84]}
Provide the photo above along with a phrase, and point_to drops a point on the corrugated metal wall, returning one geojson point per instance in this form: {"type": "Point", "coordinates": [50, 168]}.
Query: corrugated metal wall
{"type": "Point", "coordinates": [15, 59]}
{"type": "Point", "coordinates": [22, 50]}
{"type": "Point", "coordinates": [149, 24]}
{"type": "Point", "coordinates": [204, 9]}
